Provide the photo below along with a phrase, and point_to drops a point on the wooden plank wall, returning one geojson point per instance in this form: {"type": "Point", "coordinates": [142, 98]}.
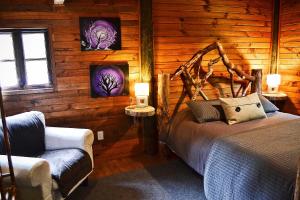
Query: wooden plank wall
{"type": "Point", "coordinates": [180, 29]}
{"type": "Point", "coordinates": [71, 105]}
{"type": "Point", "coordinates": [185, 26]}
{"type": "Point", "coordinates": [289, 66]}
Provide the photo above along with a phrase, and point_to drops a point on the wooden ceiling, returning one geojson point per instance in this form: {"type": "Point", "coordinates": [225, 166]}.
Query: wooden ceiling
{"type": "Point", "coordinates": [40, 5]}
{"type": "Point", "coordinates": [26, 5]}
{"type": "Point", "coordinates": [43, 5]}
{"type": "Point", "coordinates": [25, 2]}
{"type": "Point", "coordinates": [41, 2]}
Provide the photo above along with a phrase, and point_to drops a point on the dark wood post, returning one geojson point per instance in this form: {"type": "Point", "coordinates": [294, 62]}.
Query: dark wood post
{"type": "Point", "coordinates": [147, 73]}
{"type": "Point", "coordinates": [256, 84]}
{"type": "Point", "coordinates": [275, 37]}
{"type": "Point", "coordinates": [147, 63]}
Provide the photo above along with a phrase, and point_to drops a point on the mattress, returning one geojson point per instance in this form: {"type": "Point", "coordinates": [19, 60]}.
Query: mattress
{"type": "Point", "coordinates": [256, 164]}
{"type": "Point", "coordinates": [192, 141]}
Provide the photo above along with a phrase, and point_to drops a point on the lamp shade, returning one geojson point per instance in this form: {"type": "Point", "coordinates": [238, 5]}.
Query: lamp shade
{"type": "Point", "coordinates": [59, 2]}
{"type": "Point", "coordinates": [273, 80]}
{"type": "Point", "coordinates": [141, 89]}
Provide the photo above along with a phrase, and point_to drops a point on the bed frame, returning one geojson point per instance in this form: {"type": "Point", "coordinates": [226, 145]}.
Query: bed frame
{"type": "Point", "coordinates": [195, 77]}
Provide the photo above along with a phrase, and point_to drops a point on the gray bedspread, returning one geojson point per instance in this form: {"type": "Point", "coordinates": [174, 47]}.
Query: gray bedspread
{"type": "Point", "coordinates": [192, 141]}
{"type": "Point", "coordinates": [259, 164]}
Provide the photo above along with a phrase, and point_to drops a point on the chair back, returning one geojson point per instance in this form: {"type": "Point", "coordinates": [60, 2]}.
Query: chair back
{"type": "Point", "coordinates": [26, 134]}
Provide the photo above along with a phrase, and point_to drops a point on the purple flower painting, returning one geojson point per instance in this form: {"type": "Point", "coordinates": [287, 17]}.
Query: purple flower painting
{"type": "Point", "coordinates": [109, 80]}
{"type": "Point", "coordinates": [100, 33]}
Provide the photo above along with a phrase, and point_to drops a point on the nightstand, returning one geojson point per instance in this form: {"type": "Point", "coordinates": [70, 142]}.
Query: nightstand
{"type": "Point", "coordinates": [278, 99]}
{"type": "Point", "coordinates": [146, 119]}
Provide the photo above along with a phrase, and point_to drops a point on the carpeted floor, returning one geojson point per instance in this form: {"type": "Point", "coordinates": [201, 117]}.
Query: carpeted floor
{"type": "Point", "coordinates": [171, 181]}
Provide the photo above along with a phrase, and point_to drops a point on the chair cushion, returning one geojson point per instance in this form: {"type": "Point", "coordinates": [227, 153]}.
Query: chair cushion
{"type": "Point", "coordinates": [26, 134]}
{"type": "Point", "coordinates": [68, 167]}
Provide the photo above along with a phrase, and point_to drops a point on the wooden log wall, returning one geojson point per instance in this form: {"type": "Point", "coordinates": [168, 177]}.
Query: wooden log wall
{"type": "Point", "coordinates": [71, 105]}
{"type": "Point", "coordinates": [180, 29]}
{"type": "Point", "coordinates": [289, 67]}
{"type": "Point", "coordinates": [186, 26]}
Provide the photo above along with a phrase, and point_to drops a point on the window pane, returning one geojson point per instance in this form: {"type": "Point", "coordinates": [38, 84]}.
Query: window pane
{"type": "Point", "coordinates": [37, 72]}
{"type": "Point", "coordinates": [34, 45]}
{"type": "Point", "coordinates": [8, 74]}
{"type": "Point", "coordinates": [7, 47]}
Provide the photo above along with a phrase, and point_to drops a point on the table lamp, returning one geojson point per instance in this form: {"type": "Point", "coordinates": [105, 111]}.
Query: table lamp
{"type": "Point", "coordinates": [273, 82]}
{"type": "Point", "coordinates": [141, 94]}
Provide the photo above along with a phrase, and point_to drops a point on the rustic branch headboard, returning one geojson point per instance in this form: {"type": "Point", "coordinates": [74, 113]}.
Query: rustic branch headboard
{"type": "Point", "coordinates": [194, 78]}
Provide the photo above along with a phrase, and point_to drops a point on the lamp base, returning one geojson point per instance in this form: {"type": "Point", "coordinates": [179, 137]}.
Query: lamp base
{"type": "Point", "coordinates": [141, 101]}
{"type": "Point", "coordinates": [272, 89]}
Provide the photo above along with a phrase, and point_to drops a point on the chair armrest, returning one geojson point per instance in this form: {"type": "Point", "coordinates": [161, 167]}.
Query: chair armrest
{"type": "Point", "coordinates": [63, 138]}
{"type": "Point", "coordinates": [30, 172]}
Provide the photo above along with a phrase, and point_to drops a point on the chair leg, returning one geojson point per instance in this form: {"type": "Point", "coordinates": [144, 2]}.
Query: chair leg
{"type": "Point", "coordinates": [85, 182]}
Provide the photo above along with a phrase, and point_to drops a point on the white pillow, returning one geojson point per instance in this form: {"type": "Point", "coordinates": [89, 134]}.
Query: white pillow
{"type": "Point", "coordinates": [242, 109]}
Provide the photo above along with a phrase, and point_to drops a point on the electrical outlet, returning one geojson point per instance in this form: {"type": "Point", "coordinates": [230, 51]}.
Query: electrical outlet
{"type": "Point", "coordinates": [100, 135]}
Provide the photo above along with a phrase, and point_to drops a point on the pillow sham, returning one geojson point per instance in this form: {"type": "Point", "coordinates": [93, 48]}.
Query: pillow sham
{"type": "Point", "coordinates": [267, 105]}
{"type": "Point", "coordinates": [206, 111]}
{"type": "Point", "coordinates": [242, 109]}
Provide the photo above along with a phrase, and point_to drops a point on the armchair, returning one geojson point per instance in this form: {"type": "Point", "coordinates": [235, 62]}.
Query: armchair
{"type": "Point", "coordinates": [49, 162]}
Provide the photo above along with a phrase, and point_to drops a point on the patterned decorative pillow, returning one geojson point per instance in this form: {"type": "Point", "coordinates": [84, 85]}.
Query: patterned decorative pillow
{"type": "Point", "coordinates": [267, 105]}
{"type": "Point", "coordinates": [242, 109]}
{"type": "Point", "coordinates": [206, 111]}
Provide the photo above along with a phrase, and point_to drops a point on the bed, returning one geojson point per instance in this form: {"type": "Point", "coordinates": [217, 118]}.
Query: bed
{"type": "Point", "coordinates": [256, 159]}
{"type": "Point", "coordinates": [237, 157]}
{"type": "Point", "coordinates": [192, 141]}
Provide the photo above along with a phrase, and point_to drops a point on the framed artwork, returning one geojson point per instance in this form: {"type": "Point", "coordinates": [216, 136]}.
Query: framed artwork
{"type": "Point", "coordinates": [100, 33]}
{"type": "Point", "coordinates": [109, 80]}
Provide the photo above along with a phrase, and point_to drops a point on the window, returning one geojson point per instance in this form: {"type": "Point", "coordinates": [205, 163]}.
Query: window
{"type": "Point", "coordinates": [24, 59]}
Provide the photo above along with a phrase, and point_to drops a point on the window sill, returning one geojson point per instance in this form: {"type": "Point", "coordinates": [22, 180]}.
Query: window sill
{"type": "Point", "coordinates": [28, 91]}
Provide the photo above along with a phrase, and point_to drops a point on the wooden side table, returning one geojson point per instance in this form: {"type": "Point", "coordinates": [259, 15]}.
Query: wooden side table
{"type": "Point", "coordinates": [146, 118]}
{"type": "Point", "coordinates": [278, 99]}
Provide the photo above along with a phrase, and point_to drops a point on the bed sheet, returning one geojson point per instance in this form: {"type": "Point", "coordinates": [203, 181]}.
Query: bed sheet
{"type": "Point", "coordinates": [192, 141]}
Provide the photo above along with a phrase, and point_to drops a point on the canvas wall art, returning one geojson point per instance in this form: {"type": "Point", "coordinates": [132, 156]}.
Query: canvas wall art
{"type": "Point", "coordinates": [100, 33]}
{"type": "Point", "coordinates": [109, 80]}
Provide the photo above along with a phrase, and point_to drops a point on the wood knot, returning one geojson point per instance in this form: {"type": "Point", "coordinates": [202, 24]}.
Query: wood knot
{"type": "Point", "coordinates": [248, 10]}
{"type": "Point", "coordinates": [215, 22]}
{"type": "Point", "coordinates": [183, 32]}
{"type": "Point", "coordinates": [34, 101]}
{"type": "Point", "coordinates": [207, 8]}
{"type": "Point", "coordinates": [226, 15]}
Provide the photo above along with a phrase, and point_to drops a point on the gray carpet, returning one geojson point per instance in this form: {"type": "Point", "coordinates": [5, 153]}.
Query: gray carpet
{"type": "Point", "coordinates": [171, 181]}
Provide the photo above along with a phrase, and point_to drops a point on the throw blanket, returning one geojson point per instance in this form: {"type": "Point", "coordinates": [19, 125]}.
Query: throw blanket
{"type": "Point", "coordinates": [260, 164]}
